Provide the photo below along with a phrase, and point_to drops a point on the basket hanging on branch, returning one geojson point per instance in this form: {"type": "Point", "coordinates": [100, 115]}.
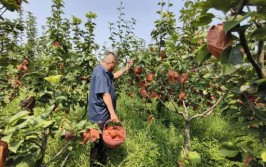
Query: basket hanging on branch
{"type": "Point", "coordinates": [218, 39]}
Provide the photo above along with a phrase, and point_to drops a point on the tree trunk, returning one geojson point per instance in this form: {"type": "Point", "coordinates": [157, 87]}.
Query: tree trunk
{"type": "Point", "coordinates": [187, 137]}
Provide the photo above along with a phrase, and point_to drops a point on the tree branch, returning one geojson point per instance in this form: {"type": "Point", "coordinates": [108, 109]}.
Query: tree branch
{"type": "Point", "coordinates": [2, 8]}
{"type": "Point", "coordinates": [209, 111]}
{"type": "Point", "coordinates": [260, 51]}
{"type": "Point", "coordinates": [244, 44]}
{"type": "Point", "coordinates": [59, 152]}
{"type": "Point", "coordinates": [180, 113]}
{"type": "Point", "coordinates": [30, 141]}
{"type": "Point", "coordinates": [64, 162]}
{"type": "Point", "coordinates": [172, 101]}
{"type": "Point", "coordinates": [241, 7]}
{"type": "Point", "coordinates": [186, 111]}
{"type": "Point", "coordinates": [3, 13]}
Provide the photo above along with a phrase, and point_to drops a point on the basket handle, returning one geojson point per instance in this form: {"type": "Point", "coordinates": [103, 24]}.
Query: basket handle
{"type": "Point", "coordinates": [119, 122]}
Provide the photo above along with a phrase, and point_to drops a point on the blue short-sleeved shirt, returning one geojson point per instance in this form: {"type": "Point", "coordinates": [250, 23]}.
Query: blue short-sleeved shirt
{"type": "Point", "coordinates": [101, 82]}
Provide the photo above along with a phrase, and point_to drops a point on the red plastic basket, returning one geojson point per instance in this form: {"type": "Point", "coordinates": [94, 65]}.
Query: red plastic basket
{"type": "Point", "coordinates": [114, 134]}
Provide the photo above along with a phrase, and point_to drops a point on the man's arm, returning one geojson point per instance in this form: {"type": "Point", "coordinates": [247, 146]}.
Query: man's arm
{"type": "Point", "coordinates": [108, 102]}
{"type": "Point", "coordinates": [120, 72]}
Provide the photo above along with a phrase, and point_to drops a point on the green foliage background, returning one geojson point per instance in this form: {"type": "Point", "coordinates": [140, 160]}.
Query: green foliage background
{"type": "Point", "coordinates": [60, 63]}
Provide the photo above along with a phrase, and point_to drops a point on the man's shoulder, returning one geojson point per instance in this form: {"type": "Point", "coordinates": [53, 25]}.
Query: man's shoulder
{"type": "Point", "coordinates": [99, 72]}
{"type": "Point", "coordinates": [98, 69]}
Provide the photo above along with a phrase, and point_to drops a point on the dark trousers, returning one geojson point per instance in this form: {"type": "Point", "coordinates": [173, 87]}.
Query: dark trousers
{"type": "Point", "coordinates": [98, 153]}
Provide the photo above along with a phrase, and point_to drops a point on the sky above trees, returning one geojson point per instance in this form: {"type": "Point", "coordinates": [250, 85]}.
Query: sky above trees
{"type": "Point", "coordinates": [144, 11]}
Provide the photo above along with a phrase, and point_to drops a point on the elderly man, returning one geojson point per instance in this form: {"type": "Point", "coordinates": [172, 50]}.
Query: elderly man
{"type": "Point", "coordinates": [102, 100]}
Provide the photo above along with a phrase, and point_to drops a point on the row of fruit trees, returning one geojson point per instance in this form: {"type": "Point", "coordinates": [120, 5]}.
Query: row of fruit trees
{"type": "Point", "coordinates": [44, 80]}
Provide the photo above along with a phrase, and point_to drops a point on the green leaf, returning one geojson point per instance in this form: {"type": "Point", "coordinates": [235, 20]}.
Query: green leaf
{"type": "Point", "coordinates": [259, 82]}
{"type": "Point", "coordinates": [7, 138]}
{"type": "Point", "coordinates": [248, 87]}
{"type": "Point", "coordinates": [229, 153]}
{"type": "Point", "coordinates": [204, 19]}
{"type": "Point", "coordinates": [233, 21]}
{"type": "Point", "coordinates": [81, 124]}
{"type": "Point", "coordinates": [70, 148]}
{"type": "Point", "coordinates": [263, 156]}
{"type": "Point", "coordinates": [91, 63]}
{"type": "Point", "coordinates": [60, 98]}
{"type": "Point", "coordinates": [229, 146]}
{"type": "Point", "coordinates": [204, 6]}
{"type": "Point", "coordinates": [203, 54]}
{"type": "Point", "coordinates": [231, 59]}
{"type": "Point", "coordinates": [237, 125]}
{"type": "Point", "coordinates": [260, 114]}
{"type": "Point", "coordinates": [261, 13]}
{"type": "Point", "coordinates": [194, 157]}
{"type": "Point", "coordinates": [23, 164]}
{"type": "Point", "coordinates": [229, 149]}
{"type": "Point", "coordinates": [91, 15]}
{"type": "Point", "coordinates": [53, 79]}
{"type": "Point", "coordinates": [257, 2]}
{"type": "Point", "coordinates": [224, 5]}
{"type": "Point", "coordinates": [17, 117]}
{"type": "Point", "coordinates": [259, 33]}
{"type": "Point", "coordinates": [11, 130]}
{"type": "Point", "coordinates": [248, 148]}
{"type": "Point", "coordinates": [49, 109]}
{"type": "Point", "coordinates": [76, 21]}
{"type": "Point", "coordinates": [13, 146]}
{"type": "Point", "coordinates": [24, 123]}
{"type": "Point", "coordinates": [46, 123]}
{"type": "Point", "coordinates": [41, 123]}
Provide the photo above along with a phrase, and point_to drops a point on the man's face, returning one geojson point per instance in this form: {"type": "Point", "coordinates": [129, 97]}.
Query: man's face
{"type": "Point", "coordinates": [111, 64]}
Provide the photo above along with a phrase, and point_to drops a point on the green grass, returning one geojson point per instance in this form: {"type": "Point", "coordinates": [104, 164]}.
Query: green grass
{"type": "Point", "coordinates": [158, 144]}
